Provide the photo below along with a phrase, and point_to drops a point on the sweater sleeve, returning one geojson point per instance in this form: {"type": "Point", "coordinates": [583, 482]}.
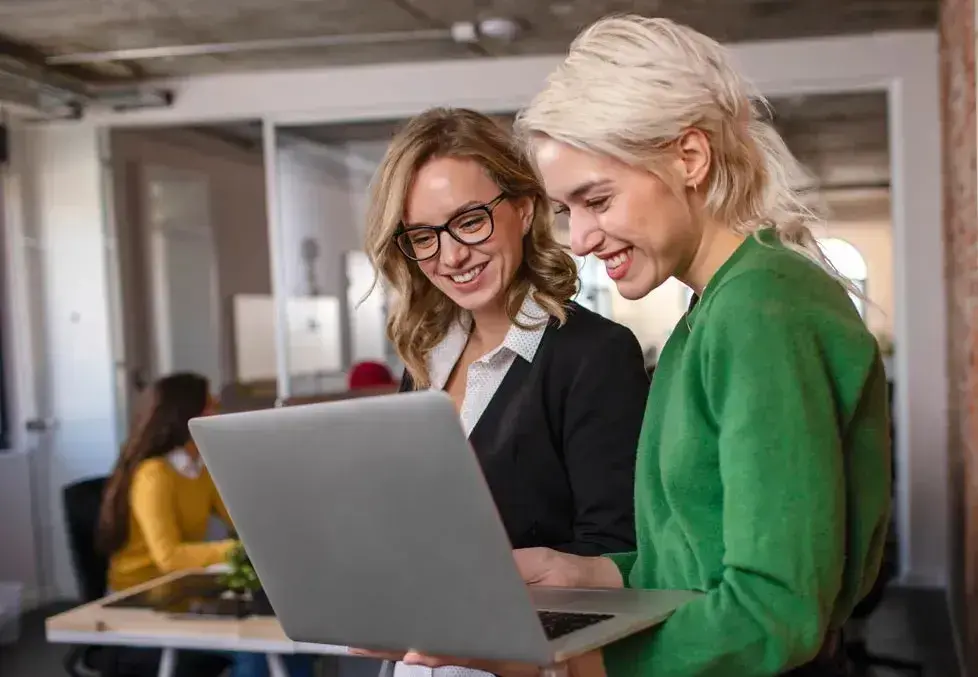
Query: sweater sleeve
{"type": "Point", "coordinates": [625, 561]}
{"type": "Point", "coordinates": [784, 501]}
{"type": "Point", "coordinates": [602, 420]}
{"type": "Point", "coordinates": [152, 498]}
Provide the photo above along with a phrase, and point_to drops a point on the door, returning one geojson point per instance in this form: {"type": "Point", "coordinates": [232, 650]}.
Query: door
{"type": "Point", "coordinates": [21, 559]}
{"type": "Point", "coordinates": [184, 293]}
{"type": "Point", "coordinates": [65, 416]}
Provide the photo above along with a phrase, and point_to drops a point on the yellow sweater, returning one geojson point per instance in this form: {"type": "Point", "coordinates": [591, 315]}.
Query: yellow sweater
{"type": "Point", "coordinates": [167, 525]}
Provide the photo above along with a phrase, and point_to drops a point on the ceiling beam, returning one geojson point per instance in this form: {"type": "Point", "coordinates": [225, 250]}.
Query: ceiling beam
{"type": "Point", "coordinates": [249, 46]}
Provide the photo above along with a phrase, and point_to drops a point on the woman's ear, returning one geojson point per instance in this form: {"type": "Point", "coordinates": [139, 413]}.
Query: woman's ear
{"type": "Point", "coordinates": [696, 156]}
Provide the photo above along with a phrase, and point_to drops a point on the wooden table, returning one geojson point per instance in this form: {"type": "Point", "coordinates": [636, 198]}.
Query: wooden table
{"type": "Point", "coordinates": [96, 624]}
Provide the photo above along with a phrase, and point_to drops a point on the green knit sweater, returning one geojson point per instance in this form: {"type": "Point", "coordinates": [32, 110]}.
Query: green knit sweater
{"type": "Point", "coordinates": [763, 474]}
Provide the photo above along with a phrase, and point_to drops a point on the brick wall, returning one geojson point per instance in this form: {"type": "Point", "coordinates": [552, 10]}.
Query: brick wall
{"type": "Point", "coordinates": [960, 147]}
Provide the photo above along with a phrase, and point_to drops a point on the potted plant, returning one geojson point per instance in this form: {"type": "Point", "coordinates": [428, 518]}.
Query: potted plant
{"type": "Point", "coordinates": [242, 582]}
{"type": "Point", "coordinates": [240, 578]}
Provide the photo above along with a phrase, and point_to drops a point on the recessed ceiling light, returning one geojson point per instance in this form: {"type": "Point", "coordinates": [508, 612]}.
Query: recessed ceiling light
{"type": "Point", "coordinates": [499, 28]}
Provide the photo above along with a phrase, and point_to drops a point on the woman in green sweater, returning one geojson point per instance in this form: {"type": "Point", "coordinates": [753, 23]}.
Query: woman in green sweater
{"type": "Point", "coordinates": [763, 475]}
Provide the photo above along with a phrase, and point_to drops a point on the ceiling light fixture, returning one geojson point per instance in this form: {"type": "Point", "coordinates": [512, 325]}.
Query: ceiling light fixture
{"type": "Point", "coordinates": [498, 28]}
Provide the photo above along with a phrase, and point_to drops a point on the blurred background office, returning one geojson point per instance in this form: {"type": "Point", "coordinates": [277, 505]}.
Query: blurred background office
{"type": "Point", "coordinates": [183, 189]}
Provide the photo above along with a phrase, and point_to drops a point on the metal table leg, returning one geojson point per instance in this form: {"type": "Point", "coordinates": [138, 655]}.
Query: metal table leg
{"type": "Point", "coordinates": [276, 665]}
{"type": "Point", "coordinates": [168, 663]}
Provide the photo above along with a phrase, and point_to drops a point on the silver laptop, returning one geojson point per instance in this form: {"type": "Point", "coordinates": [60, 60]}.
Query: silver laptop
{"type": "Point", "coordinates": [370, 525]}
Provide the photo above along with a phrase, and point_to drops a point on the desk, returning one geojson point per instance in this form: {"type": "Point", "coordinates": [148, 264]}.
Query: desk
{"type": "Point", "coordinates": [95, 624]}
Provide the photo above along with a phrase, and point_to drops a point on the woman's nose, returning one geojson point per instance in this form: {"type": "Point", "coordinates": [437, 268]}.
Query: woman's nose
{"type": "Point", "coordinates": [453, 253]}
{"type": "Point", "coordinates": [585, 236]}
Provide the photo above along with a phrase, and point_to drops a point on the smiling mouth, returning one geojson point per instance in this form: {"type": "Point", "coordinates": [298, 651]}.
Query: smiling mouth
{"type": "Point", "coordinates": [468, 275]}
{"type": "Point", "coordinates": [617, 260]}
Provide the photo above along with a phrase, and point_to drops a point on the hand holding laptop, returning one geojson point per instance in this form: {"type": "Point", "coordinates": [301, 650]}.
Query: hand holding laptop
{"type": "Point", "coordinates": [543, 566]}
{"type": "Point", "coordinates": [500, 668]}
{"type": "Point", "coordinates": [589, 665]}
{"type": "Point", "coordinates": [537, 566]}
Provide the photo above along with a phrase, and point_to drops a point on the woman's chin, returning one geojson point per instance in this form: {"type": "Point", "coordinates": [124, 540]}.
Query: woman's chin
{"type": "Point", "coordinates": [475, 301]}
{"type": "Point", "coordinates": [632, 290]}
{"type": "Point", "coordinates": [635, 285]}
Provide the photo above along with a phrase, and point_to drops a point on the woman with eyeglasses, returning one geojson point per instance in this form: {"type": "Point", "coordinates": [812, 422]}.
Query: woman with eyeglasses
{"type": "Point", "coordinates": [551, 395]}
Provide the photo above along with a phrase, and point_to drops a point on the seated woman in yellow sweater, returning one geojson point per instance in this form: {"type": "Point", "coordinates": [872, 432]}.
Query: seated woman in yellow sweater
{"type": "Point", "coordinates": [155, 512]}
{"type": "Point", "coordinates": [157, 504]}
{"type": "Point", "coordinates": [160, 497]}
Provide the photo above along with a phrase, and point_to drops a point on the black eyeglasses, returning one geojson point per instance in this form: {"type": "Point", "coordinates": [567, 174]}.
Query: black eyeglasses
{"type": "Point", "coordinates": [473, 226]}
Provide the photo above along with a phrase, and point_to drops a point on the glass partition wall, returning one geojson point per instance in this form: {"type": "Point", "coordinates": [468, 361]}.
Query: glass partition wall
{"type": "Point", "coordinates": [330, 311]}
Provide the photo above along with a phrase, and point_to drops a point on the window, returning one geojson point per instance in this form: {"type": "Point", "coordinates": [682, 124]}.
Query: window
{"type": "Point", "coordinates": [850, 264]}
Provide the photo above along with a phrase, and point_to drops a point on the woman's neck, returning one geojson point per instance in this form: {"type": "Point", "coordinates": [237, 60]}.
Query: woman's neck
{"type": "Point", "coordinates": [718, 244]}
{"type": "Point", "coordinates": [191, 450]}
{"type": "Point", "coordinates": [489, 329]}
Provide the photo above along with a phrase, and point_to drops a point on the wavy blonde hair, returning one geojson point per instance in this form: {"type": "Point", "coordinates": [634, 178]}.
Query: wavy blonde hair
{"type": "Point", "coordinates": [420, 315]}
{"type": "Point", "coordinates": [631, 85]}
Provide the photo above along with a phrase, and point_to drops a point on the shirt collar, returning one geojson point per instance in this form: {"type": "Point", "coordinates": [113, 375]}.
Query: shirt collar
{"type": "Point", "coordinates": [518, 341]}
{"type": "Point", "coordinates": [184, 464]}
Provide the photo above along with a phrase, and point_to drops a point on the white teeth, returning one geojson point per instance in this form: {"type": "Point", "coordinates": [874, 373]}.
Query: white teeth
{"type": "Point", "coordinates": [616, 261]}
{"type": "Point", "coordinates": [468, 275]}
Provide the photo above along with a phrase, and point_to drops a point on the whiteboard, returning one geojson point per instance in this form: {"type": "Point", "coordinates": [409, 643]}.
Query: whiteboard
{"type": "Point", "coordinates": [314, 336]}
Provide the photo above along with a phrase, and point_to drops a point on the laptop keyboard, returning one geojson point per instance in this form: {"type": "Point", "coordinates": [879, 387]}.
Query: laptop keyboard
{"type": "Point", "coordinates": [558, 623]}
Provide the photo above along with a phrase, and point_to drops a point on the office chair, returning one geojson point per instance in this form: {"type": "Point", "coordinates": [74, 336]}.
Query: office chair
{"type": "Point", "coordinates": [82, 503]}
{"type": "Point", "coordinates": [860, 657]}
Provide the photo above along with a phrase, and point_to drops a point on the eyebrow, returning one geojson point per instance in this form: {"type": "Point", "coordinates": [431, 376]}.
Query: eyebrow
{"type": "Point", "coordinates": [471, 204]}
{"type": "Point", "coordinates": [587, 187]}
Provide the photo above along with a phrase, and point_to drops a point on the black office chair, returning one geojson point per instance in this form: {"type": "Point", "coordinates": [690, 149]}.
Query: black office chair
{"type": "Point", "coordinates": [82, 503]}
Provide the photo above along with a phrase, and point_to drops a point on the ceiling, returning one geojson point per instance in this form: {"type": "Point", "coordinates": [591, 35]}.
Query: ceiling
{"type": "Point", "coordinates": [38, 29]}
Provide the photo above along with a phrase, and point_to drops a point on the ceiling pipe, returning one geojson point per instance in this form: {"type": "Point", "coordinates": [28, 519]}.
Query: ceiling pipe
{"type": "Point", "coordinates": [460, 32]}
{"type": "Point", "coordinates": [61, 96]}
{"type": "Point", "coordinates": [40, 79]}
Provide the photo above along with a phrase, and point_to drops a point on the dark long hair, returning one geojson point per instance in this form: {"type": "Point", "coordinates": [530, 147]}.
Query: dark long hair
{"type": "Point", "coordinates": [159, 428]}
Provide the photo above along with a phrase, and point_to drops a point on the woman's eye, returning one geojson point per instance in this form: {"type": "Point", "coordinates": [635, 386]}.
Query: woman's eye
{"type": "Point", "coordinates": [598, 204]}
{"type": "Point", "coordinates": [561, 209]}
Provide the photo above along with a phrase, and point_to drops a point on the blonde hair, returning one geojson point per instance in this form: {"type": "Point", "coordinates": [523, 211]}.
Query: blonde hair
{"type": "Point", "coordinates": [631, 85]}
{"type": "Point", "coordinates": [421, 315]}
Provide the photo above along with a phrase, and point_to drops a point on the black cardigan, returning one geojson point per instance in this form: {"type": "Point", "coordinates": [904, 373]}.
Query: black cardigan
{"type": "Point", "coordinates": [557, 441]}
